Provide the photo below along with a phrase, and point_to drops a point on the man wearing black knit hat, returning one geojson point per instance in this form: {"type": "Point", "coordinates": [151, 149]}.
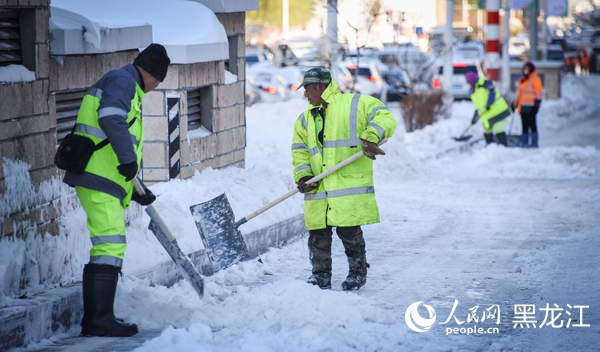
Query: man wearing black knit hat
{"type": "Point", "coordinates": [110, 115]}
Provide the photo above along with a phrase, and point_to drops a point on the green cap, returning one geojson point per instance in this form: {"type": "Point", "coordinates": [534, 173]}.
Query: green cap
{"type": "Point", "coordinates": [316, 75]}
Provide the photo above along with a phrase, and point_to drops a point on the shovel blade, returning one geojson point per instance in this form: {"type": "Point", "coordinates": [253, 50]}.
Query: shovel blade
{"type": "Point", "coordinates": [223, 241]}
{"type": "Point", "coordinates": [462, 139]}
{"type": "Point", "coordinates": [513, 140]}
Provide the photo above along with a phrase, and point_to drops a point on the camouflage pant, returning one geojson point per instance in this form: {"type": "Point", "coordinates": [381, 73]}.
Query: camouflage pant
{"type": "Point", "coordinates": [319, 249]}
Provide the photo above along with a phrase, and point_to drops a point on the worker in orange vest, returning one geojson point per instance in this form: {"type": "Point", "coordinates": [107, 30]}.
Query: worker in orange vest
{"type": "Point", "coordinates": [529, 98]}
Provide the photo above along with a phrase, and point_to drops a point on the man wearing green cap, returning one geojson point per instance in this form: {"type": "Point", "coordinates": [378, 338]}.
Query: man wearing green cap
{"type": "Point", "coordinates": [334, 127]}
{"type": "Point", "coordinates": [110, 114]}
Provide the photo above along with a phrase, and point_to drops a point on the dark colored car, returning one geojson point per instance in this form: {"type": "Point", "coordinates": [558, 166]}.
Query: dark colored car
{"type": "Point", "coordinates": [399, 85]}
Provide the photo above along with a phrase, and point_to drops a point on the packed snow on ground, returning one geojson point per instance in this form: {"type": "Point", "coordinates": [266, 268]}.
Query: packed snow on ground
{"type": "Point", "coordinates": [469, 232]}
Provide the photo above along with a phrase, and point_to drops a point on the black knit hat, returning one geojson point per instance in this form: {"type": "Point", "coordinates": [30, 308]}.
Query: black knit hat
{"type": "Point", "coordinates": [155, 60]}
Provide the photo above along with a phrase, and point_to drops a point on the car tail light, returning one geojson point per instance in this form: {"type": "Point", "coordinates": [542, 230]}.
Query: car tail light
{"type": "Point", "coordinates": [270, 90]}
{"type": "Point", "coordinates": [352, 67]}
{"type": "Point", "coordinates": [459, 64]}
{"type": "Point", "coordinates": [436, 83]}
{"type": "Point", "coordinates": [372, 79]}
{"type": "Point", "coordinates": [293, 86]}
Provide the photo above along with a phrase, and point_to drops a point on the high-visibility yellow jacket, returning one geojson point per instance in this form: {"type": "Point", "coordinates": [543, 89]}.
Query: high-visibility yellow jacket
{"type": "Point", "coordinates": [346, 197]}
{"type": "Point", "coordinates": [488, 102]}
{"type": "Point", "coordinates": [530, 89]}
{"type": "Point", "coordinates": [111, 109]}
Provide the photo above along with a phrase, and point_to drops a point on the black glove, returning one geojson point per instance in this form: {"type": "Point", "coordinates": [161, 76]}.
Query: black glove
{"type": "Point", "coordinates": [304, 187]}
{"type": "Point", "coordinates": [474, 120]}
{"type": "Point", "coordinates": [487, 107]}
{"type": "Point", "coordinates": [128, 170]}
{"type": "Point", "coordinates": [371, 149]}
{"type": "Point", "coordinates": [537, 104]}
{"type": "Point", "coordinates": [145, 199]}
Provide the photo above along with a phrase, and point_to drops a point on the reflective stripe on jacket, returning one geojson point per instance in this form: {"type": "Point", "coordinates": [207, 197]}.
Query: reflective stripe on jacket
{"type": "Point", "coordinates": [347, 197]}
{"type": "Point", "coordinates": [530, 89]}
{"type": "Point", "coordinates": [483, 94]}
{"type": "Point", "coordinates": [108, 108]}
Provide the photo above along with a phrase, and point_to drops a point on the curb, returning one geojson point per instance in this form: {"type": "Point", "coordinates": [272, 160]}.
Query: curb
{"type": "Point", "coordinates": [59, 310]}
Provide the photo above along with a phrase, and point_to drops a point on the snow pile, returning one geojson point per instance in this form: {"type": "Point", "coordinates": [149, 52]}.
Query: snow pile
{"type": "Point", "coordinates": [16, 73]}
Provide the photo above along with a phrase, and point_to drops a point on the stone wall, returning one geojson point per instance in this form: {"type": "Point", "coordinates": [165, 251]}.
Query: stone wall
{"type": "Point", "coordinates": [32, 195]}
{"type": "Point", "coordinates": [27, 133]}
{"type": "Point", "coordinates": [223, 114]}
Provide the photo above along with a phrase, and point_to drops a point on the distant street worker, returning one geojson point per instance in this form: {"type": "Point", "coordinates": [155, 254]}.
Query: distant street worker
{"type": "Point", "coordinates": [111, 110]}
{"type": "Point", "coordinates": [334, 127]}
{"type": "Point", "coordinates": [490, 108]}
{"type": "Point", "coordinates": [528, 100]}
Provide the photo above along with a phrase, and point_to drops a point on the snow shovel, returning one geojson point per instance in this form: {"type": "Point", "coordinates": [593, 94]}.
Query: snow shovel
{"type": "Point", "coordinates": [219, 231]}
{"type": "Point", "coordinates": [168, 241]}
{"type": "Point", "coordinates": [462, 137]}
{"type": "Point", "coordinates": [512, 140]}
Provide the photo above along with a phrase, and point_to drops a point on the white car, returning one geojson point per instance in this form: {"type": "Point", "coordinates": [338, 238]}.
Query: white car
{"type": "Point", "coordinates": [255, 57]}
{"type": "Point", "coordinates": [368, 79]}
{"type": "Point", "coordinates": [271, 85]}
{"type": "Point", "coordinates": [293, 77]}
{"type": "Point", "coordinates": [517, 46]}
{"type": "Point", "coordinates": [469, 51]}
{"type": "Point", "coordinates": [460, 89]}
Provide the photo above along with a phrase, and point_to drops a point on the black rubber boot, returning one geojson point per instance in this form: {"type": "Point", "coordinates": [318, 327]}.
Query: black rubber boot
{"type": "Point", "coordinates": [489, 138]}
{"type": "Point", "coordinates": [323, 280]}
{"type": "Point", "coordinates": [354, 245]}
{"type": "Point", "coordinates": [99, 288]}
{"type": "Point", "coordinates": [502, 139]}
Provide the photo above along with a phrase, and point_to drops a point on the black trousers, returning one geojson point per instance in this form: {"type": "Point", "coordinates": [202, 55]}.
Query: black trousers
{"type": "Point", "coordinates": [528, 122]}
{"type": "Point", "coordinates": [319, 247]}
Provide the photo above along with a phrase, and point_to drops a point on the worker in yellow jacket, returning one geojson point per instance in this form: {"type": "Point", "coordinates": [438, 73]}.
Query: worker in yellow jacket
{"type": "Point", "coordinates": [110, 115]}
{"type": "Point", "coordinates": [529, 98]}
{"type": "Point", "coordinates": [490, 108]}
{"type": "Point", "coordinates": [334, 127]}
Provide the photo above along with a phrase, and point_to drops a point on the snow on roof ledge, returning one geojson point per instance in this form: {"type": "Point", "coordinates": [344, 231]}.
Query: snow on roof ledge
{"type": "Point", "coordinates": [189, 30]}
{"type": "Point", "coordinates": [223, 6]}
{"type": "Point", "coordinates": [190, 53]}
{"type": "Point", "coordinates": [73, 34]}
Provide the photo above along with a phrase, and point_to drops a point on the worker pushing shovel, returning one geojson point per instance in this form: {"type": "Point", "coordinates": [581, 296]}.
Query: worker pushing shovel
{"type": "Point", "coordinates": [490, 108]}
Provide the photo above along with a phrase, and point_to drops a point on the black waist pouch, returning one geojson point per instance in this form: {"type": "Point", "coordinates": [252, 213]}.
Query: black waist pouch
{"type": "Point", "coordinates": [74, 153]}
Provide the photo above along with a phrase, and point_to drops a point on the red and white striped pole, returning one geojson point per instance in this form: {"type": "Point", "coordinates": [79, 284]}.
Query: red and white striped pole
{"type": "Point", "coordinates": [493, 39]}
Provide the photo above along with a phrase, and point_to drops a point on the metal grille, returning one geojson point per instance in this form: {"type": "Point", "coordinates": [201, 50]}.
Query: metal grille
{"type": "Point", "coordinates": [194, 109]}
{"type": "Point", "coordinates": [10, 38]}
{"type": "Point", "coordinates": [67, 107]}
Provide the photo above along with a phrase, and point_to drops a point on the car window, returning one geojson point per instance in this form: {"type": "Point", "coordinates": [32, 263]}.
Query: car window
{"type": "Point", "coordinates": [469, 53]}
{"type": "Point", "coordinates": [263, 77]}
{"type": "Point", "coordinates": [459, 70]}
{"type": "Point", "coordinates": [463, 70]}
{"type": "Point", "coordinates": [362, 71]}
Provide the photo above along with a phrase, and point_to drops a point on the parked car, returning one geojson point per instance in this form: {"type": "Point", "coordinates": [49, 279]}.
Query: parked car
{"type": "Point", "coordinates": [293, 77]}
{"type": "Point", "coordinates": [408, 57]}
{"type": "Point", "coordinates": [272, 87]}
{"type": "Point", "coordinates": [469, 51]}
{"type": "Point", "coordinates": [399, 84]}
{"type": "Point", "coordinates": [517, 47]}
{"type": "Point", "coordinates": [344, 79]}
{"type": "Point", "coordinates": [252, 92]}
{"type": "Point", "coordinates": [254, 57]}
{"type": "Point", "coordinates": [460, 87]}
{"type": "Point", "coordinates": [368, 79]}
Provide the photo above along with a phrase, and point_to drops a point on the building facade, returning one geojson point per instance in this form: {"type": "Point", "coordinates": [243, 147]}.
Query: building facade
{"type": "Point", "coordinates": [194, 120]}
